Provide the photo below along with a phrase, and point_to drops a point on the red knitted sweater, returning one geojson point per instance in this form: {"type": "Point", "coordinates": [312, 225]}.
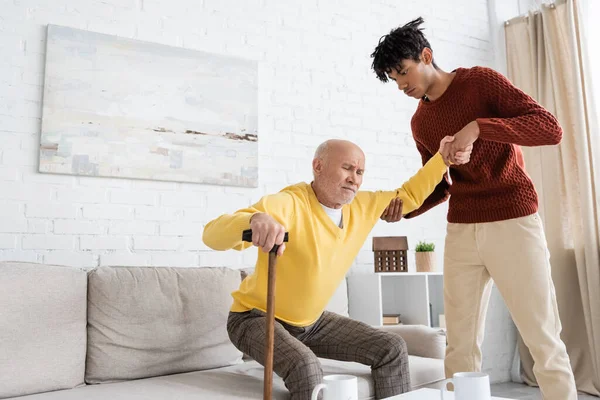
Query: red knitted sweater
{"type": "Point", "coordinates": [493, 186]}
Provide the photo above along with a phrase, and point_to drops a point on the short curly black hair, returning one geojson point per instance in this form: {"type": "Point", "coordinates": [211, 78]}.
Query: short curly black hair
{"type": "Point", "coordinates": [403, 43]}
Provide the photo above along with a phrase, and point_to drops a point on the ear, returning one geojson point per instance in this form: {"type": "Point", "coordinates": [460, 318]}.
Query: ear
{"type": "Point", "coordinates": [427, 55]}
{"type": "Point", "coordinates": [317, 165]}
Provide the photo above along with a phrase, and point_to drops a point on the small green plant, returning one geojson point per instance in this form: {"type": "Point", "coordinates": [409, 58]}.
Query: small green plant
{"type": "Point", "coordinates": [424, 246]}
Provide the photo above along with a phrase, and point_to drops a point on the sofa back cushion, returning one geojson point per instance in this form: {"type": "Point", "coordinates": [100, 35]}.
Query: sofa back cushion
{"type": "Point", "coordinates": [42, 328]}
{"type": "Point", "coordinates": [147, 321]}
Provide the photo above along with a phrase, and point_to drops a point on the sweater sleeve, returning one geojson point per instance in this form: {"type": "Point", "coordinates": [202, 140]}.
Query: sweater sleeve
{"type": "Point", "coordinates": [520, 119]}
{"type": "Point", "coordinates": [420, 186]}
{"type": "Point", "coordinates": [439, 195]}
{"type": "Point", "coordinates": [225, 232]}
{"type": "Point", "coordinates": [412, 193]}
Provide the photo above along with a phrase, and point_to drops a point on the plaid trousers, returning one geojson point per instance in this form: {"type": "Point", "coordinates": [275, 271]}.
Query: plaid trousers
{"type": "Point", "coordinates": [332, 336]}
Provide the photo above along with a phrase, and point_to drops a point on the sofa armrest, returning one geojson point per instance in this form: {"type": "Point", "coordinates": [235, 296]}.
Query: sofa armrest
{"type": "Point", "coordinates": [421, 340]}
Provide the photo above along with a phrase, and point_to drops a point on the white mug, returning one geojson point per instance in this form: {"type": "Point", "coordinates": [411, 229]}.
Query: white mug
{"type": "Point", "coordinates": [337, 387]}
{"type": "Point", "coordinates": [469, 386]}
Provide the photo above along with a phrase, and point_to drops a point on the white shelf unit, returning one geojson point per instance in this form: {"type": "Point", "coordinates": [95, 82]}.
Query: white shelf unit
{"type": "Point", "coordinates": [417, 296]}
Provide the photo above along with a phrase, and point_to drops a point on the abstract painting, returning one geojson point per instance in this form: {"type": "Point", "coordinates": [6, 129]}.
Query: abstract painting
{"type": "Point", "coordinates": [119, 107]}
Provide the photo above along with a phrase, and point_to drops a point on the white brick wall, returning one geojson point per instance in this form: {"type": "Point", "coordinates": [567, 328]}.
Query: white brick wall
{"type": "Point", "coordinates": [315, 83]}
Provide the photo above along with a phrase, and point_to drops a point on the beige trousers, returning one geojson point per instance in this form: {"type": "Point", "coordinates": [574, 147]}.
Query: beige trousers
{"type": "Point", "coordinates": [514, 254]}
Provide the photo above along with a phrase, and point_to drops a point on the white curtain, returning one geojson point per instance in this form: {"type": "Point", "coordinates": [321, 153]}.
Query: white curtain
{"type": "Point", "coordinates": [546, 56]}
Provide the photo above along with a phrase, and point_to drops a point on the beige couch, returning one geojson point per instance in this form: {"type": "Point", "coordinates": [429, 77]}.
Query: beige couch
{"type": "Point", "coordinates": [146, 333]}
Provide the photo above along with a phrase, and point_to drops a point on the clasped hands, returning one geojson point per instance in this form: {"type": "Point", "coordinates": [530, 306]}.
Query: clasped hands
{"type": "Point", "coordinates": [455, 150]}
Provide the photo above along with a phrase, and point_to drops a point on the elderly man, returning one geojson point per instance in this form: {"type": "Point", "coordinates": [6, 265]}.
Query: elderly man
{"type": "Point", "coordinates": [328, 221]}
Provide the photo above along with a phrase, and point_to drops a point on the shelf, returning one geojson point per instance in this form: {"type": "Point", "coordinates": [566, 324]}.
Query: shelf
{"type": "Point", "coordinates": [417, 296]}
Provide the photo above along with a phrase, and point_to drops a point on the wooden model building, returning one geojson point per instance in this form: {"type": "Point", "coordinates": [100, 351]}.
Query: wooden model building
{"type": "Point", "coordinates": [390, 253]}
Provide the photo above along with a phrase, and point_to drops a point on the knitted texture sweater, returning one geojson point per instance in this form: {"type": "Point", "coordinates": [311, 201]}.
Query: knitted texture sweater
{"type": "Point", "coordinates": [494, 185]}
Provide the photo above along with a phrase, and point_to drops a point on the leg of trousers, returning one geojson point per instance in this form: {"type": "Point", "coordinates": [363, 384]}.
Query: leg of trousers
{"type": "Point", "coordinates": [467, 289]}
{"type": "Point", "coordinates": [293, 361]}
{"type": "Point", "coordinates": [332, 336]}
{"type": "Point", "coordinates": [339, 338]}
{"type": "Point", "coordinates": [514, 253]}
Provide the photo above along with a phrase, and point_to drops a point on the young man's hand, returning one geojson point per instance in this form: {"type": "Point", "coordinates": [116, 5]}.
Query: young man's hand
{"type": "Point", "coordinates": [452, 154]}
{"type": "Point", "coordinates": [462, 140]}
{"type": "Point", "coordinates": [266, 232]}
{"type": "Point", "coordinates": [393, 212]}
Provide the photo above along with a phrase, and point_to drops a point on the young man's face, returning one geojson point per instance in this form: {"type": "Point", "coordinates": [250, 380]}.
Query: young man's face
{"type": "Point", "coordinates": [412, 78]}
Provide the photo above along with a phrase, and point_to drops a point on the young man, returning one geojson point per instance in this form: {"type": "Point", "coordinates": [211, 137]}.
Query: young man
{"type": "Point", "coordinates": [494, 229]}
{"type": "Point", "coordinates": [328, 221]}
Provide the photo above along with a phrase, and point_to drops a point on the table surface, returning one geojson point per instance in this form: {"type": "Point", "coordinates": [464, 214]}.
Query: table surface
{"type": "Point", "coordinates": [429, 394]}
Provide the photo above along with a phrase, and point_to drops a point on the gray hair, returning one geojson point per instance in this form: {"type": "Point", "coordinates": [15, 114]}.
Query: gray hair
{"type": "Point", "coordinates": [322, 150]}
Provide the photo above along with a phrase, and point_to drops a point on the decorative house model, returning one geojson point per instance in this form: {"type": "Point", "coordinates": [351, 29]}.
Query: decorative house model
{"type": "Point", "coordinates": [390, 253]}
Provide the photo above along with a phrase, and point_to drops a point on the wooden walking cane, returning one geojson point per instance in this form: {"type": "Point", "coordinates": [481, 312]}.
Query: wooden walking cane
{"type": "Point", "coordinates": [270, 320]}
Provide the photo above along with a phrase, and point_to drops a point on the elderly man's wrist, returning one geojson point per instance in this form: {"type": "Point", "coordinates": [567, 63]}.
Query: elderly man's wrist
{"type": "Point", "coordinates": [254, 215]}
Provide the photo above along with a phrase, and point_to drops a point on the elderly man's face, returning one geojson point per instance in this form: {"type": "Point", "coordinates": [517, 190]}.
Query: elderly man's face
{"type": "Point", "coordinates": [340, 173]}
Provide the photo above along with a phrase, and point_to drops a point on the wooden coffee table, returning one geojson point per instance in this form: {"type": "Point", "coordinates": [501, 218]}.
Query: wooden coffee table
{"type": "Point", "coordinates": [429, 394]}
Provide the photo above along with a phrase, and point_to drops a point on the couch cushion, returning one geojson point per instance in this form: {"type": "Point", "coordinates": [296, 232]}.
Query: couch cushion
{"type": "Point", "coordinates": [147, 321]}
{"type": "Point", "coordinates": [242, 381]}
{"type": "Point", "coordinates": [421, 340]}
{"type": "Point", "coordinates": [42, 327]}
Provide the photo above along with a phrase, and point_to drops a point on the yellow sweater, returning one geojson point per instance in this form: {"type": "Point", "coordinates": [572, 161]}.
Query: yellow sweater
{"type": "Point", "coordinates": [319, 253]}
